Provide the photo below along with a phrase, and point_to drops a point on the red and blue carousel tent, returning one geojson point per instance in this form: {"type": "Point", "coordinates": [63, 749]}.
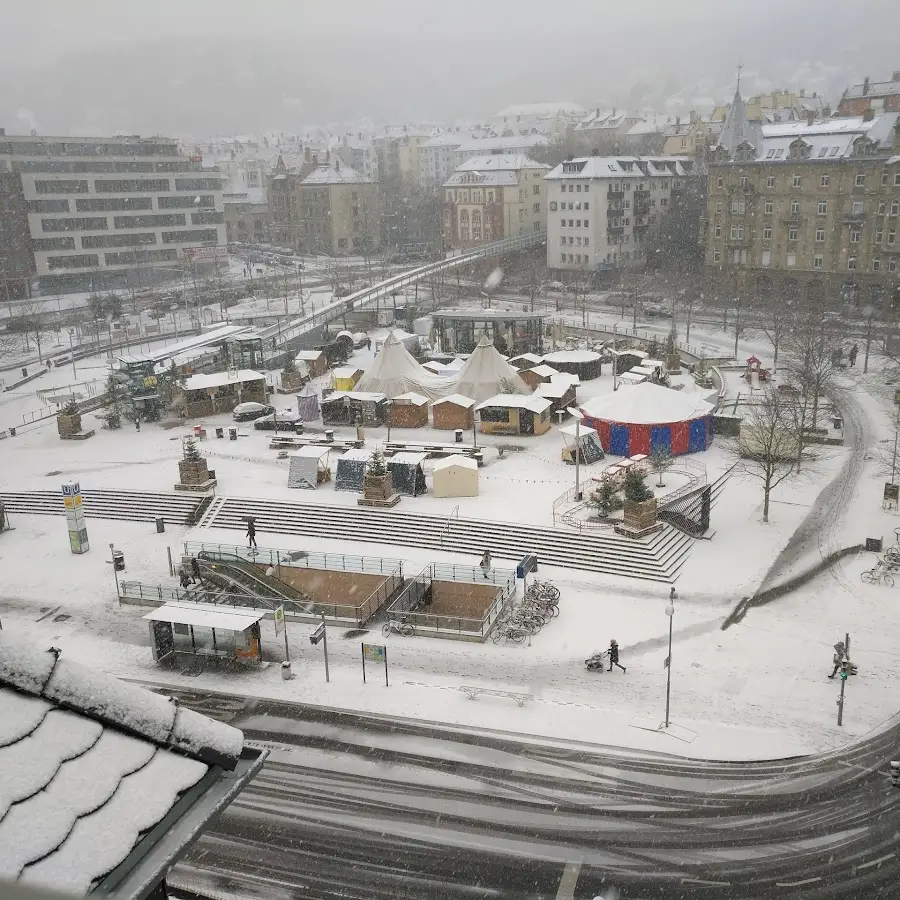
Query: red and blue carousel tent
{"type": "Point", "coordinates": [644, 417]}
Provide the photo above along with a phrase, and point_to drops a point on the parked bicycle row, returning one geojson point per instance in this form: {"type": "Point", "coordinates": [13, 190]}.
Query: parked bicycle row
{"type": "Point", "coordinates": [539, 605]}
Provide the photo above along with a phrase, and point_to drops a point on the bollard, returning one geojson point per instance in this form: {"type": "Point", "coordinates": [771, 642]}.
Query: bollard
{"type": "Point", "coordinates": [160, 524]}
{"type": "Point", "coordinates": [232, 434]}
{"type": "Point", "coordinates": [329, 435]}
{"type": "Point", "coordinates": [285, 671]}
{"type": "Point", "coordinates": [459, 435]}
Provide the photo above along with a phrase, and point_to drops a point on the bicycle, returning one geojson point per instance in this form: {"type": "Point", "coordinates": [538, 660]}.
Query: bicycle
{"type": "Point", "coordinates": [399, 626]}
{"type": "Point", "coordinates": [544, 590]}
{"type": "Point", "coordinates": [877, 575]}
{"type": "Point", "coordinates": [510, 632]}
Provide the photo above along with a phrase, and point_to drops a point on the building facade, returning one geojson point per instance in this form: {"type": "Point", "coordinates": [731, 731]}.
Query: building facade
{"type": "Point", "coordinates": [493, 197]}
{"type": "Point", "coordinates": [492, 146]}
{"type": "Point", "coordinates": [99, 208]}
{"type": "Point", "coordinates": [811, 202]}
{"type": "Point", "coordinates": [871, 96]}
{"type": "Point", "coordinates": [16, 258]}
{"type": "Point", "coordinates": [437, 160]}
{"type": "Point", "coordinates": [246, 221]}
{"type": "Point", "coordinates": [599, 209]}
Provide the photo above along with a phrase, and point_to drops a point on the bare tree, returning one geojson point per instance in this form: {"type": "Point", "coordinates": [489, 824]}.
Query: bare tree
{"type": "Point", "coordinates": [688, 301]}
{"type": "Point", "coordinates": [533, 272]}
{"type": "Point", "coordinates": [774, 318]}
{"type": "Point", "coordinates": [31, 322]}
{"type": "Point", "coordinates": [661, 461]}
{"type": "Point", "coordinates": [770, 442]}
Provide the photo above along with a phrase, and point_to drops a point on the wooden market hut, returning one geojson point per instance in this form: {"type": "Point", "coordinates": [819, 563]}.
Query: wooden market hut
{"type": "Point", "coordinates": [354, 408]}
{"type": "Point", "coordinates": [316, 361]}
{"type": "Point", "coordinates": [220, 392]}
{"type": "Point", "coordinates": [455, 411]}
{"type": "Point", "coordinates": [526, 361]}
{"type": "Point", "coordinates": [408, 411]}
{"type": "Point", "coordinates": [346, 377]}
{"type": "Point", "coordinates": [536, 375]}
{"type": "Point", "coordinates": [514, 414]}
{"type": "Point", "coordinates": [455, 476]}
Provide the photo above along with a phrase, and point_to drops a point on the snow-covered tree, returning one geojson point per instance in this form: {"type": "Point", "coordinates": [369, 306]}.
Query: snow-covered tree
{"type": "Point", "coordinates": [661, 461]}
{"type": "Point", "coordinates": [635, 489]}
{"type": "Point", "coordinates": [191, 450]}
{"type": "Point", "coordinates": [376, 464]}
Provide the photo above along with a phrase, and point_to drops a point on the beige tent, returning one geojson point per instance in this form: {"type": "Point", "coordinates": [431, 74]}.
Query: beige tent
{"type": "Point", "coordinates": [395, 372]}
{"type": "Point", "coordinates": [487, 373]}
{"type": "Point", "coordinates": [455, 476]}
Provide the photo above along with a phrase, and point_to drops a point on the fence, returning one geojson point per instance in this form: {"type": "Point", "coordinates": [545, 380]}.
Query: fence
{"type": "Point", "coordinates": [409, 602]}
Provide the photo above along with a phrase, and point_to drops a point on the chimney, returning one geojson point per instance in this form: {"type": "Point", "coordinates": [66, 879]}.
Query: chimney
{"type": "Point", "coordinates": [337, 164]}
{"type": "Point", "coordinates": [315, 158]}
{"type": "Point", "coordinates": [692, 116]}
{"type": "Point", "coordinates": [866, 86]}
{"type": "Point", "coordinates": [810, 117]}
{"type": "Point", "coordinates": [897, 137]}
{"type": "Point", "coordinates": [596, 150]}
{"type": "Point", "coordinates": [677, 122]}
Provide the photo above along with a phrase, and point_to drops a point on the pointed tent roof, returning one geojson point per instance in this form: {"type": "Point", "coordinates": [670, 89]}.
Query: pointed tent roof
{"type": "Point", "coordinates": [395, 372]}
{"type": "Point", "coordinates": [486, 374]}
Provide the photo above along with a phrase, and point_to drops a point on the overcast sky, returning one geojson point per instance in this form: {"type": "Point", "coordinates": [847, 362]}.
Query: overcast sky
{"type": "Point", "coordinates": [227, 66]}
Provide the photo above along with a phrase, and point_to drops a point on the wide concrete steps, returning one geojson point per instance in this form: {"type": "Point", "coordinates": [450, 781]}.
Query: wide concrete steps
{"type": "Point", "coordinates": [129, 506]}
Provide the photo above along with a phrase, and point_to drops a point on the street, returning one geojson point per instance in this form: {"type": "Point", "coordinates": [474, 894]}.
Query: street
{"type": "Point", "coordinates": [355, 806]}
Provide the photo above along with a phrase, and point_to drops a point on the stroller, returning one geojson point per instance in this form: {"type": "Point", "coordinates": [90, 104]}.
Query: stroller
{"type": "Point", "coordinates": [597, 662]}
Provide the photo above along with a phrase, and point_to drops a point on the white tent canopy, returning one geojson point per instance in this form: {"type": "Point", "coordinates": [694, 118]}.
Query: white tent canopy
{"type": "Point", "coordinates": [646, 404]}
{"type": "Point", "coordinates": [486, 374]}
{"type": "Point", "coordinates": [395, 372]}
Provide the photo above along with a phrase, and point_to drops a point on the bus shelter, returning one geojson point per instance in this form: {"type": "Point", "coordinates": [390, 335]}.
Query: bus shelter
{"type": "Point", "coordinates": [203, 629]}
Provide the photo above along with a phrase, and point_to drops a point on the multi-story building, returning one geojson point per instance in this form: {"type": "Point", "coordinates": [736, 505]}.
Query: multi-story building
{"type": "Point", "coordinates": [101, 208]}
{"type": "Point", "coordinates": [695, 137]}
{"type": "Point", "coordinates": [492, 197]}
{"type": "Point", "coordinates": [606, 126]}
{"type": "Point", "coordinates": [437, 160]}
{"type": "Point", "coordinates": [247, 219]}
{"type": "Point", "coordinates": [552, 119]}
{"type": "Point", "coordinates": [811, 201]}
{"type": "Point", "coordinates": [599, 209]}
{"type": "Point", "coordinates": [871, 96]}
{"type": "Point", "coordinates": [517, 144]}
{"type": "Point", "coordinates": [359, 155]}
{"type": "Point", "coordinates": [340, 212]}
{"type": "Point", "coordinates": [16, 258]}
{"type": "Point", "coordinates": [397, 152]}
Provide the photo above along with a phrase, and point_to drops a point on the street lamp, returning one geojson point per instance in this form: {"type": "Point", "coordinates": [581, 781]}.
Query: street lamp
{"type": "Point", "coordinates": [670, 612]}
{"type": "Point", "coordinates": [578, 494]}
{"type": "Point", "coordinates": [72, 351]}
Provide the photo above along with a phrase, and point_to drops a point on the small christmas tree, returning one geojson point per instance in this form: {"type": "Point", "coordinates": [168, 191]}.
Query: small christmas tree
{"type": "Point", "coordinates": [191, 451]}
{"type": "Point", "coordinates": [290, 366]}
{"type": "Point", "coordinates": [700, 371]}
{"type": "Point", "coordinates": [376, 464]}
{"type": "Point", "coordinates": [71, 408]}
{"type": "Point", "coordinates": [635, 489]}
{"type": "Point", "coordinates": [606, 498]}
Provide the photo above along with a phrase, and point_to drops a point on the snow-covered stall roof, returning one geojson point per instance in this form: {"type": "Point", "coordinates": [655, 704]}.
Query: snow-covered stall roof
{"type": "Point", "coordinates": [646, 404]}
{"type": "Point", "coordinates": [395, 372]}
{"type": "Point", "coordinates": [456, 400]}
{"type": "Point", "coordinates": [90, 765]}
{"type": "Point", "coordinates": [486, 374]}
{"type": "Point", "coordinates": [515, 401]}
{"type": "Point", "coordinates": [206, 615]}
{"type": "Point", "coordinates": [203, 382]}
{"type": "Point", "coordinates": [464, 462]}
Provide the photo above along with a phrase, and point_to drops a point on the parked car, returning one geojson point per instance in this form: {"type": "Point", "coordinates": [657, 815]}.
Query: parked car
{"type": "Point", "coordinates": [657, 311]}
{"type": "Point", "coordinates": [342, 291]}
{"type": "Point", "coordinates": [247, 412]}
{"type": "Point", "coordinates": [286, 420]}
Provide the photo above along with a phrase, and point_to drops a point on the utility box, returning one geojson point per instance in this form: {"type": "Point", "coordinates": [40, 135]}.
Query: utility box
{"type": "Point", "coordinates": [160, 524]}
{"type": "Point", "coordinates": [118, 558]}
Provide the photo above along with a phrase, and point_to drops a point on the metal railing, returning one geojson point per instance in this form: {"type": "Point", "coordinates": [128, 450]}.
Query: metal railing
{"type": "Point", "coordinates": [446, 529]}
{"type": "Point", "coordinates": [503, 578]}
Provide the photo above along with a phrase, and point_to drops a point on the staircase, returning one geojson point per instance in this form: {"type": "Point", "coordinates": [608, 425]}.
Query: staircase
{"type": "Point", "coordinates": [129, 506]}
{"type": "Point", "coordinates": [240, 577]}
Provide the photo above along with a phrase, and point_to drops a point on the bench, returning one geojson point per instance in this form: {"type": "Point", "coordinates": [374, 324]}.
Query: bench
{"type": "Point", "coordinates": [286, 443]}
{"type": "Point", "coordinates": [435, 451]}
{"type": "Point", "coordinates": [473, 693]}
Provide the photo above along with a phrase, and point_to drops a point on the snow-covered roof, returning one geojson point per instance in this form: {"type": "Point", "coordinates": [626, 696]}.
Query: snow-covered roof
{"type": "Point", "coordinates": [532, 358]}
{"type": "Point", "coordinates": [516, 401]}
{"type": "Point", "coordinates": [498, 162]}
{"type": "Point", "coordinates": [359, 454]}
{"type": "Point", "coordinates": [502, 178]}
{"type": "Point", "coordinates": [456, 400]}
{"type": "Point", "coordinates": [395, 372]}
{"type": "Point", "coordinates": [89, 765]}
{"type": "Point", "coordinates": [345, 371]}
{"type": "Point", "coordinates": [572, 356]}
{"type": "Point", "coordinates": [553, 389]}
{"type": "Point", "coordinates": [544, 371]}
{"type": "Point", "coordinates": [653, 126]}
{"type": "Point", "coordinates": [309, 354]}
{"type": "Point", "coordinates": [487, 373]}
{"type": "Point", "coordinates": [826, 140]}
{"type": "Point", "coordinates": [203, 382]}
{"type": "Point", "coordinates": [646, 404]}
{"type": "Point", "coordinates": [448, 139]}
{"type": "Point", "coordinates": [622, 167]}
{"type": "Point", "coordinates": [872, 89]}
{"type": "Point", "coordinates": [206, 615]}
{"type": "Point", "coordinates": [408, 458]}
{"type": "Point", "coordinates": [331, 175]}
{"type": "Point", "coordinates": [310, 451]}
{"type": "Point", "coordinates": [465, 462]}
{"type": "Point", "coordinates": [476, 146]}
{"type": "Point", "coordinates": [412, 398]}
{"type": "Point", "coordinates": [361, 396]}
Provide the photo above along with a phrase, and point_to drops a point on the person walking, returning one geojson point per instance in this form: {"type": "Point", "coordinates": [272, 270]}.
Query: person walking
{"type": "Point", "coordinates": [853, 351]}
{"type": "Point", "coordinates": [672, 594]}
{"type": "Point", "coordinates": [184, 578]}
{"type": "Point", "coordinates": [614, 655]}
{"type": "Point", "coordinates": [486, 563]}
{"type": "Point", "coordinates": [251, 534]}
{"type": "Point", "coordinates": [195, 570]}
{"type": "Point", "coordinates": [838, 658]}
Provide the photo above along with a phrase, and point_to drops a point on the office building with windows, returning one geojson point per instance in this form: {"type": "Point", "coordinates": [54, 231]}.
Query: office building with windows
{"type": "Point", "coordinates": [100, 209]}
{"type": "Point", "coordinates": [600, 209]}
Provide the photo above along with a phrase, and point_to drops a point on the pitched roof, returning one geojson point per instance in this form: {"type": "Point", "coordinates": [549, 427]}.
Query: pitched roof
{"type": "Point", "coordinates": [622, 167]}
{"type": "Point", "coordinates": [201, 382]}
{"type": "Point", "coordinates": [89, 765]}
{"type": "Point", "coordinates": [516, 401]}
{"type": "Point", "coordinates": [476, 146]}
{"type": "Point", "coordinates": [873, 89]}
{"type": "Point", "coordinates": [500, 162]}
{"type": "Point", "coordinates": [331, 175]}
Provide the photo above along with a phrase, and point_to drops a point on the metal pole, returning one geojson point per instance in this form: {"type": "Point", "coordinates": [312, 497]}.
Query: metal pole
{"type": "Point", "coordinates": [577, 455]}
{"type": "Point", "coordinates": [72, 354]}
{"type": "Point", "coordinates": [385, 669]}
{"type": "Point", "coordinates": [287, 651]}
{"type": "Point", "coordinates": [840, 703]}
{"type": "Point", "coordinates": [362, 650]}
{"type": "Point", "coordinates": [669, 666]}
{"type": "Point", "coordinates": [894, 459]}
{"type": "Point", "coordinates": [325, 647]}
{"type": "Point", "coordinates": [171, 567]}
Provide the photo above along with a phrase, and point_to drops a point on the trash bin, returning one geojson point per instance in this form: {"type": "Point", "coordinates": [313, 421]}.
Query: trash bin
{"type": "Point", "coordinates": [220, 432]}
{"type": "Point", "coordinates": [329, 435]}
{"type": "Point", "coordinates": [118, 558]}
{"type": "Point", "coordinates": [286, 671]}
{"type": "Point", "coordinates": [459, 434]}
{"type": "Point", "coordinates": [24, 372]}
{"type": "Point", "coordinates": [232, 434]}
{"type": "Point", "coordinates": [298, 428]}
{"type": "Point", "coordinates": [160, 524]}
{"type": "Point", "coordinates": [838, 422]}
{"type": "Point", "coordinates": [12, 432]}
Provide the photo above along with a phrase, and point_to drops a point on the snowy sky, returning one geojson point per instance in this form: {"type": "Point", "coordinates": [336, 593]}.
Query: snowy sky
{"type": "Point", "coordinates": [224, 66]}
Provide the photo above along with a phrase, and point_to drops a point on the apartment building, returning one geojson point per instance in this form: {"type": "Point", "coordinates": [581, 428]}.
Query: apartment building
{"type": "Point", "coordinates": [813, 201]}
{"type": "Point", "coordinates": [437, 160]}
{"type": "Point", "coordinates": [100, 208]}
{"type": "Point", "coordinates": [871, 96]}
{"type": "Point", "coordinates": [510, 145]}
{"type": "Point", "coordinates": [600, 209]}
{"type": "Point", "coordinates": [692, 137]}
{"type": "Point", "coordinates": [491, 197]}
{"type": "Point", "coordinates": [359, 155]}
{"type": "Point", "coordinates": [397, 152]}
{"type": "Point", "coordinates": [16, 258]}
{"type": "Point", "coordinates": [552, 118]}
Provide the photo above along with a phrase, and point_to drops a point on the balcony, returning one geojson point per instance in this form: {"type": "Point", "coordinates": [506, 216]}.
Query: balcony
{"type": "Point", "coordinates": [615, 229]}
{"type": "Point", "coordinates": [641, 221]}
{"type": "Point", "coordinates": [615, 195]}
{"type": "Point", "coordinates": [853, 218]}
{"type": "Point", "coordinates": [614, 213]}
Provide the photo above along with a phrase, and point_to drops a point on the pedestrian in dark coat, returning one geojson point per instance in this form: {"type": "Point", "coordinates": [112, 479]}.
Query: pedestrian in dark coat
{"type": "Point", "coordinates": [195, 570]}
{"type": "Point", "coordinates": [251, 534]}
{"type": "Point", "coordinates": [486, 563]}
{"type": "Point", "coordinates": [184, 578]}
{"type": "Point", "coordinates": [614, 655]}
{"type": "Point", "coordinates": [853, 351]}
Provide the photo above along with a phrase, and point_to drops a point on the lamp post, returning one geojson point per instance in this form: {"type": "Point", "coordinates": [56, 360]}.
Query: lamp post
{"type": "Point", "coordinates": [670, 612]}
{"type": "Point", "coordinates": [389, 405]}
{"type": "Point", "coordinates": [72, 352]}
{"type": "Point", "coordinates": [577, 455]}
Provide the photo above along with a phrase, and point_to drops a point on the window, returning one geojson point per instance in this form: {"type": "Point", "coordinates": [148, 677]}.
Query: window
{"type": "Point", "coordinates": [571, 188]}
{"type": "Point", "coordinates": [879, 234]}
{"type": "Point", "coordinates": [578, 242]}
{"type": "Point", "coordinates": [818, 261]}
{"type": "Point", "coordinates": [587, 188]}
{"type": "Point", "coordinates": [718, 207]}
{"type": "Point", "coordinates": [587, 223]}
{"type": "Point", "coordinates": [876, 265]}
{"type": "Point", "coordinates": [99, 241]}
{"type": "Point", "coordinates": [60, 187]}
{"type": "Point", "coordinates": [820, 235]}
{"type": "Point", "coordinates": [79, 261]}
{"type": "Point", "coordinates": [115, 204]}
{"type": "Point", "coordinates": [860, 182]}
{"type": "Point", "coordinates": [892, 264]}
{"type": "Point", "coordinates": [769, 207]}
{"type": "Point", "coordinates": [738, 206]}
{"type": "Point", "coordinates": [793, 233]}
{"type": "Point", "coordinates": [140, 256]}
{"type": "Point", "coordinates": [571, 206]}
{"type": "Point", "coordinates": [767, 233]}
{"type": "Point", "coordinates": [718, 231]}
{"type": "Point", "coordinates": [795, 207]}
{"type": "Point", "coordinates": [854, 235]}
{"type": "Point", "coordinates": [490, 196]}
{"type": "Point", "coordinates": [587, 206]}
{"type": "Point", "coordinates": [858, 208]}
{"type": "Point", "coordinates": [895, 207]}
{"type": "Point", "coordinates": [536, 207]}
{"type": "Point", "coordinates": [797, 181]}
{"type": "Point", "coordinates": [791, 260]}
{"type": "Point", "coordinates": [663, 201]}
{"type": "Point", "coordinates": [892, 236]}
{"type": "Point", "coordinates": [152, 221]}
{"type": "Point", "coordinates": [578, 189]}
{"type": "Point", "coordinates": [720, 182]}
{"type": "Point", "coordinates": [587, 242]}
{"type": "Point", "coordinates": [59, 243]}
{"type": "Point", "coordinates": [48, 206]}
{"type": "Point", "coordinates": [562, 223]}
{"type": "Point", "coordinates": [476, 197]}
{"type": "Point", "coordinates": [578, 223]}
{"type": "Point", "coordinates": [822, 208]}
{"type": "Point", "coordinates": [884, 180]}
{"type": "Point", "coordinates": [536, 190]}
{"type": "Point", "coordinates": [823, 181]}
{"type": "Point", "coordinates": [96, 223]}
{"type": "Point", "coordinates": [765, 258]}
{"type": "Point", "coordinates": [717, 256]}
{"type": "Point", "coordinates": [129, 185]}
{"type": "Point", "coordinates": [897, 179]}
{"type": "Point", "coordinates": [192, 184]}
{"type": "Point", "coordinates": [882, 208]}
{"type": "Point", "coordinates": [770, 181]}
{"type": "Point", "coordinates": [851, 263]}
{"type": "Point", "coordinates": [571, 223]}
{"type": "Point", "coordinates": [199, 236]}
{"type": "Point", "coordinates": [213, 218]}
{"type": "Point", "coordinates": [737, 232]}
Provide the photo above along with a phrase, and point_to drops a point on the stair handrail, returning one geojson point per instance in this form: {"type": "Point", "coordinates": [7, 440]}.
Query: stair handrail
{"type": "Point", "coordinates": [446, 528]}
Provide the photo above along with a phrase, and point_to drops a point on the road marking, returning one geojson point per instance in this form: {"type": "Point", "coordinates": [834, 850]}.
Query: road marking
{"type": "Point", "coordinates": [703, 881]}
{"type": "Point", "coordinates": [798, 883]}
{"type": "Point", "coordinates": [875, 862]}
{"type": "Point", "coordinates": [569, 880]}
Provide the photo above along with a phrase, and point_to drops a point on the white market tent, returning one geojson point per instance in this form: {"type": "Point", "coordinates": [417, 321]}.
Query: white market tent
{"type": "Point", "coordinates": [486, 373]}
{"type": "Point", "coordinates": [306, 464]}
{"type": "Point", "coordinates": [455, 476]}
{"type": "Point", "coordinates": [396, 372]}
{"type": "Point", "coordinates": [646, 404]}
{"type": "Point", "coordinates": [351, 470]}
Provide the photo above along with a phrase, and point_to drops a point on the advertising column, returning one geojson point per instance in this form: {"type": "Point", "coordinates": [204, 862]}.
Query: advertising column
{"type": "Point", "coordinates": [75, 522]}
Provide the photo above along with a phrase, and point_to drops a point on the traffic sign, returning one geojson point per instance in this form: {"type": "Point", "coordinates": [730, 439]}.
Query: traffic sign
{"type": "Point", "coordinates": [279, 619]}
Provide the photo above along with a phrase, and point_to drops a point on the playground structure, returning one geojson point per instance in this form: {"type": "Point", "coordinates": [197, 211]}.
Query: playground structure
{"type": "Point", "coordinates": [755, 374]}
